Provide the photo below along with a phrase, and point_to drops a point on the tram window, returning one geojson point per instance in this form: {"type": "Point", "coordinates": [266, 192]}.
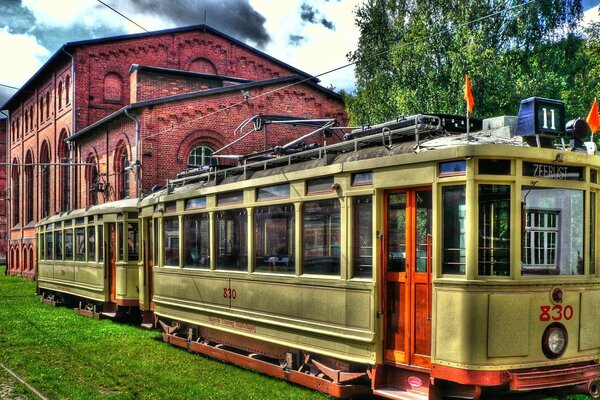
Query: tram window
{"type": "Point", "coordinates": [453, 228]}
{"type": "Point", "coordinates": [80, 244]}
{"type": "Point", "coordinates": [58, 245]}
{"type": "Point", "coordinates": [91, 243]}
{"type": "Point", "coordinates": [171, 240]}
{"type": "Point", "coordinates": [396, 225]}
{"type": "Point", "coordinates": [132, 215]}
{"type": "Point", "coordinates": [274, 239]}
{"type": "Point", "coordinates": [453, 168]}
{"type": "Point", "coordinates": [362, 178]}
{"type": "Point", "coordinates": [363, 237]}
{"type": "Point", "coordinates": [593, 206]}
{"type": "Point", "coordinates": [196, 245]}
{"type": "Point", "coordinates": [553, 231]}
{"type": "Point", "coordinates": [319, 185]}
{"type": "Point", "coordinates": [230, 198]}
{"type": "Point", "coordinates": [494, 167]}
{"type": "Point", "coordinates": [49, 246]}
{"type": "Point", "coordinates": [69, 244]}
{"type": "Point", "coordinates": [321, 237]}
{"type": "Point", "coordinates": [41, 246]}
{"type": "Point", "coordinates": [79, 221]}
{"type": "Point", "coordinates": [594, 176]}
{"type": "Point", "coordinates": [231, 233]}
{"type": "Point", "coordinates": [171, 206]}
{"type": "Point", "coordinates": [68, 223]}
{"type": "Point", "coordinates": [494, 230]}
{"type": "Point", "coordinates": [273, 192]}
{"type": "Point", "coordinates": [132, 241]}
{"type": "Point", "coordinates": [197, 203]}
{"type": "Point", "coordinates": [100, 243]}
{"type": "Point", "coordinates": [121, 241]}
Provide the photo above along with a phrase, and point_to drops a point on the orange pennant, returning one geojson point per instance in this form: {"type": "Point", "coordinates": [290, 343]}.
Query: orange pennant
{"type": "Point", "coordinates": [593, 119]}
{"type": "Point", "coordinates": [468, 96]}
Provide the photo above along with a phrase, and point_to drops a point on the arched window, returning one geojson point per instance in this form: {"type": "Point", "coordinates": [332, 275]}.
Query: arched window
{"type": "Point", "coordinates": [122, 170]}
{"type": "Point", "coordinates": [113, 88]}
{"type": "Point", "coordinates": [65, 172]}
{"type": "Point", "coordinates": [31, 117]}
{"type": "Point", "coordinates": [16, 195]}
{"type": "Point", "coordinates": [41, 109]}
{"type": "Point", "coordinates": [26, 120]}
{"type": "Point", "coordinates": [91, 177]}
{"type": "Point", "coordinates": [67, 89]}
{"type": "Point", "coordinates": [60, 95]}
{"type": "Point", "coordinates": [201, 156]}
{"type": "Point", "coordinates": [29, 185]}
{"type": "Point", "coordinates": [48, 104]}
{"type": "Point", "coordinates": [45, 175]}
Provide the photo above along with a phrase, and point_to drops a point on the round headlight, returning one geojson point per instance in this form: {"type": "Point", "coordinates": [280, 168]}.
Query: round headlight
{"type": "Point", "coordinates": [554, 341]}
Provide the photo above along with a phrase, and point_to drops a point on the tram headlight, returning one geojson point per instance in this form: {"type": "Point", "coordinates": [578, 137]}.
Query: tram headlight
{"type": "Point", "coordinates": [554, 341]}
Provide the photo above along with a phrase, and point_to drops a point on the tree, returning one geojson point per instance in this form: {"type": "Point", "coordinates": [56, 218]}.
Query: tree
{"type": "Point", "coordinates": [412, 56]}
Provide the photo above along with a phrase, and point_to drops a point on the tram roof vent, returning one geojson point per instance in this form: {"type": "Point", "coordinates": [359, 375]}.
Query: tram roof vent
{"type": "Point", "coordinates": [503, 126]}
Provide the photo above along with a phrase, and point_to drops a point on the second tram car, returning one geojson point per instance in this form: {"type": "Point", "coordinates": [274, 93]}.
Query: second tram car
{"type": "Point", "coordinates": [415, 259]}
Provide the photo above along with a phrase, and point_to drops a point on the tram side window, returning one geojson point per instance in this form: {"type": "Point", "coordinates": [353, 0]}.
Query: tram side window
{"type": "Point", "coordinates": [58, 245]}
{"type": "Point", "coordinates": [91, 243]}
{"type": "Point", "coordinates": [453, 228]}
{"type": "Point", "coordinates": [132, 241]}
{"type": "Point", "coordinates": [553, 231]}
{"type": "Point", "coordinates": [494, 230]}
{"type": "Point", "coordinates": [196, 246]}
{"type": "Point", "coordinates": [121, 241]}
{"type": "Point", "coordinates": [231, 233]}
{"type": "Point", "coordinates": [321, 237]}
{"type": "Point", "coordinates": [100, 243]}
{"type": "Point", "coordinates": [593, 233]}
{"type": "Point", "coordinates": [363, 237]}
{"type": "Point", "coordinates": [274, 239]}
{"type": "Point", "coordinates": [69, 244]}
{"type": "Point", "coordinates": [171, 240]}
{"type": "Point", "coordinates": [49, 246]}
{"type": "Point", "coordinates": [41, 246]}
{"type": "Point", "coordinates": [80, 244]}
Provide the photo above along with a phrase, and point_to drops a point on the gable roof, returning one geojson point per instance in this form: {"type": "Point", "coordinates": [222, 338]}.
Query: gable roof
{"type": "Point", "coordinates": [63, 54]}
{"type": "Point", "coordinates": [203, 93]}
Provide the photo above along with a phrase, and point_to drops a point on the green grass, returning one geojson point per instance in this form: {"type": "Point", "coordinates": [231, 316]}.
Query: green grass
{"type": "Point", "coordinates": [67, 356]}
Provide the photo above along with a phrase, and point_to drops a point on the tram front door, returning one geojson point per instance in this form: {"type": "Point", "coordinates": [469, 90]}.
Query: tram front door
{"type": "Point", "coordinates": [407, 264]}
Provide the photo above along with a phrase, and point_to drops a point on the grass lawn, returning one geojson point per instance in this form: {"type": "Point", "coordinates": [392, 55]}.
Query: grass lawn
{"type": "Point", "coordinates": [67, 356]}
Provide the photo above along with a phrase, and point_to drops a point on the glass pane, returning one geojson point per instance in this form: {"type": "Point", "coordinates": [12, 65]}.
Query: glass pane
{"type": "Point", "coordinates": [41, 248]}
{"type": "Point", "coordinates": [362, 178]}
{"type": "Point", "coordinates": [319, 185]}
{"type": "Point", "coordinates": [121, 241]}
{"type": "Point", "coordinates": [363, 237]}
{"type": "Point", "coordinates": [58, 245]}
{"type": "Point", "coordinates": [279, 191]}
{"type": "Point", "coordinates": [321, 237]}
{"type": "Point", "coordinates": [231, 237]}
{"type": "Point", "coordinates": [80, 243]}
{"type": "Point", "coordinates": [453, 228]}
{"type": "Point", "coordinates": [132, 241]}
{"type": "Point", "coordinates": [494, 167]}
{"type": "Point", "coordinates": [198, 202]}
{"type": "Point", "coordinates": [196, 244]}
{"type": "Point", "coordinates": [452, 168]}
{"type": "Point", "coordinates": [274, 239]}
{"type": "Point", "coordinates": [49, 247]}
{"type": "Point", "coordinates": [69, 244]}
{"type": "Point", "coordinates": [171, 240]}
{"type": "Point", "coordinates": [423, 227]}
{"type": "Point", "coordinates": [100, 243]}
{"type": "Point", "coordinates": [593, 206]}
{"type": "Point", "coordinates": [231, 197]}
{"type": "Point", "coordinates": [91, 241]}
{"type": "Point", "coordinates": [396, 234]}
{"type": "Point", "coordinates": [494, 230]}
{"type": "Point", "coordinates": [554, 231]}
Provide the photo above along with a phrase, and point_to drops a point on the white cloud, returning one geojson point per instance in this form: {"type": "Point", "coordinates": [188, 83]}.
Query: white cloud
{"type": "Point", "coordinates": [590, 15]}
{"type": "Point", "coordinates": [68, 13]}
{"type": "Point", "coordinates": [17, 70]}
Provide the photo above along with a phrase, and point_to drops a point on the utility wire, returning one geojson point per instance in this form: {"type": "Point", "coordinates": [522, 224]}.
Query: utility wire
{"type": "Point", "coordinates": [123, 15]}
{"type": "Point", "coordinates": [8, 86]}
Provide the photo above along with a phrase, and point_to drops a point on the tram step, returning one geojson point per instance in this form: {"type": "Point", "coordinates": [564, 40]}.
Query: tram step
{"type": "Point", "coordinates": [397, 393]}
{"type": "Point", "coordinates": [109, 314]}
{"type": "Point", "coordinates": [147, 326]}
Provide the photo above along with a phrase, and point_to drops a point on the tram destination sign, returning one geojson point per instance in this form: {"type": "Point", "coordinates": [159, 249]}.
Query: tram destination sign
{"type": "Point", "coordinates": [550, 171]}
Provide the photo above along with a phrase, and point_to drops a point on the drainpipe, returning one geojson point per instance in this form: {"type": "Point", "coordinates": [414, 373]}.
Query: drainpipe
{"type": "Point", "coordinates": [71, 159]}
{"type": "Point", "coordinates": [7, 193]}
{"type": "Point", "coordinates": [137, 152]}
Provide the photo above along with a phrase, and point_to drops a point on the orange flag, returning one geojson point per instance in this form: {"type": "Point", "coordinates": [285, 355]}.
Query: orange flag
{"type": "Point", "coordinates": [468, 97]}
{"type": "Point", "coordinates": [593, 119]}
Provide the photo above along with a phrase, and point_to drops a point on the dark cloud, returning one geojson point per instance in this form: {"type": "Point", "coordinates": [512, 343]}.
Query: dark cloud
{"type": "Point", "coordinates": [16, 17]}
{"type": "Point", "coordinates": [309, 14]}
{"type": "Point", "coordinates": [296, 40]}
{"type": "Point", "coordinates": [236, 18]}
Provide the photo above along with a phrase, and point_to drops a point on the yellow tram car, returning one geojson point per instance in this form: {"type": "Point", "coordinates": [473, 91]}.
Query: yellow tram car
{"type": "Point", "coordinates": [412, 260]}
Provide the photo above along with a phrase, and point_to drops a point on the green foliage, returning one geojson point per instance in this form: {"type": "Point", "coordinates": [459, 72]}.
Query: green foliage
{"type": "Point", "coordinates": [413, 56]}
{"type": "Point", "coordinates": [67, 356]}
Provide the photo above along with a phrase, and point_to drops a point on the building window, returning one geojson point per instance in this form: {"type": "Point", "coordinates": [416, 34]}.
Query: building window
{"type": "Point", "coordinates": [67, 89]}
{"type": "Point", "coordinates": [31, 118]}
{"type": "Point", "coordinates": [16, 195]}
{"type": "Point", "coordinates": [45, 174]}
{"type": "Point", "coordinates": [60, 95]}
{"type": "Point", "coordinates": [124, 177]}
{"type": "Point", "coordinates": [92, 182]}
{"type": "Point", "coordinates": [201, 156]}
{"type": "Point", "coordinates": [29, 186]}
{"type": "Point", "coordinates": [47, 104]}
{"type": "Point", "coordinates": [113, 88]}
{"type": "Point", "coordinates": [41, 109]}
{"type": "Point", "coordinates": [26, 120]}
{"type": "Point", "coordinates": [65, 172]}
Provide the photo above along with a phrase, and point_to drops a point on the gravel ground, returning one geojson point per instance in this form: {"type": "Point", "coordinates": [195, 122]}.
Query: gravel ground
{"type": "Point", "coordinates": [10, 389]}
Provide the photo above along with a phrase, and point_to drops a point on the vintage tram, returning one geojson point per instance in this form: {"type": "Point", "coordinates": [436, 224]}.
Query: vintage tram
{"type": "Point", "coordinates": [419, 258]}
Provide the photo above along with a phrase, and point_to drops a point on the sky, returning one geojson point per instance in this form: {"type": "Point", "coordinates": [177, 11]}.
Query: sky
{"type": "Point", "coordinates": [312, 35]}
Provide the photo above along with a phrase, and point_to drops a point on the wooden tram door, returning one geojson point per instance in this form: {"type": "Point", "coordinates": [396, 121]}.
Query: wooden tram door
{"type": "Point", "coordinates": [111, 246]}
{"type": "Point", "coordinates": [407, 283]}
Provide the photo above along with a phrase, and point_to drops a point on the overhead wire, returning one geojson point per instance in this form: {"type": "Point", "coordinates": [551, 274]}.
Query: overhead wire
{"type": "Point", "coordinates": [123, 15]}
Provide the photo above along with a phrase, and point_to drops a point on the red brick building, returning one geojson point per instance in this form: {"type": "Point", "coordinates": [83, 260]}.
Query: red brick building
{"type": "Point", "coordinates": [97, 109]}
